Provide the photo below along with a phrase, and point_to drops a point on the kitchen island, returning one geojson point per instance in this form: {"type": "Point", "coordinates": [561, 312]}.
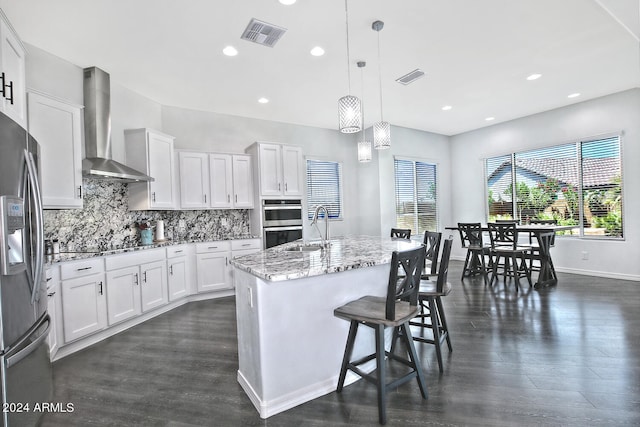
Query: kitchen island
{"type": "Point", "coordinates": [290, 346]}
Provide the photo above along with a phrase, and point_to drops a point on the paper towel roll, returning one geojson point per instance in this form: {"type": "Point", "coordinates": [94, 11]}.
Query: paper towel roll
{"type": "Point", "coordinates": [159, 230]}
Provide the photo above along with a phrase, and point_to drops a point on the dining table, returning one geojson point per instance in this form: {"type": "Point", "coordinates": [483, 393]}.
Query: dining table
{"type": "Point", "coordinates": [541, 233]}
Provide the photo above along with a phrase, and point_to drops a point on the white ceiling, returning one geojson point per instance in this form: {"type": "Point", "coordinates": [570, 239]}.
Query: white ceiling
{"type": "Point", "coordinates": [476, 54]}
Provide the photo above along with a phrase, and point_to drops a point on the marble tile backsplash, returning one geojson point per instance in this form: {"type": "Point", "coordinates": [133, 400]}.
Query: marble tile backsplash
{"type": "Point", "coordinates": [105, 221]}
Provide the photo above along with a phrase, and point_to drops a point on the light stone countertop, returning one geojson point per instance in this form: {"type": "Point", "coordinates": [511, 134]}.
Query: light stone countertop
{"type": "Point", "coordinates": [96, 252]}
{"type": "Point", "coordinates": [345, 253]}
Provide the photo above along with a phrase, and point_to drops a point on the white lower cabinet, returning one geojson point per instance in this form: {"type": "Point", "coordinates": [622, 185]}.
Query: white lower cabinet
{"type": "Point", "coordinates": [84, 304]}
{"type": "Point", "coordinates": [136, 283]}
{"type": "Point", "coordinates": [123, 295]}
{"type": "Point", "coordinates": [94, 294]}
{"type": "Point", "coordinates": [153, 286]}
{"type": "Point", "coordinates": [178, 272]}
{"type": "Point", "coordinates": [212, 265]}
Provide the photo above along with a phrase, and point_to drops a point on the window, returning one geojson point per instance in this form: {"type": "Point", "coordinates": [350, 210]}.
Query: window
{"type": "Point", "coordinates": [575, 184]}
{"type": "Point", "coordinates": [416, 196]}
{"type": "Point", "coordinates": [324, 187]}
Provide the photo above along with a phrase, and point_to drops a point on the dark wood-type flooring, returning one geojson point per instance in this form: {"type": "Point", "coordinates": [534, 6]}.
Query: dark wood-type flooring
{"type": "Point", "coordinates": [563, 356]}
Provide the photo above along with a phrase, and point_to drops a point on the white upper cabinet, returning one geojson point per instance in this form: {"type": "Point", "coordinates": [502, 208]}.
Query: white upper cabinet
{"type": "Point", "coordinates": [57, 126]}
{"type": "Point", "coordinates": [242, 182]}
{"type": "Point", "coordinates": [194, 180]}
{"type": "Point", "coordinates": [229, 181]}
{"type": "Point", "coordinates": [281, 169]}
{"type": "Point", "coordinates": [292, 170]}
{"type": "Point", "coordinates": [221, 180]}
{"type": "Point", "coordinates": [151, 152]}
{"type": "Point", "coordinates": [12, 72]}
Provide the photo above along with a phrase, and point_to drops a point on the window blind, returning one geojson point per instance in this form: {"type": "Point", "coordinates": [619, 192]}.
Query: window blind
{"type": "Point", "coordinates": [574, 184]}
{"type": "Point", "coordinates": [324, 187]}
{"type": "Point", "coordinates": [416, 195]}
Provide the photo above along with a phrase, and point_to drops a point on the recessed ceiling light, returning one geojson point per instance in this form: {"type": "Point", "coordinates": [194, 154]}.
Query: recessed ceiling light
{"type": "Point", "coordinates": [574, 95]}
{"type": "Point", "coordinates": [534, 77]}
{"type": "Point", "coordinates": [447, 108]}
{"type": "Point", "coordinates": [490, 119]}
{"type": "Point", "coordinates": [317, 51]}
{"type": "Point", "coordinates": [263, 100]}
{"type": "Point", "coordinates": [230, 51]}
{"type": "Point", "coordinates": [287, 2]}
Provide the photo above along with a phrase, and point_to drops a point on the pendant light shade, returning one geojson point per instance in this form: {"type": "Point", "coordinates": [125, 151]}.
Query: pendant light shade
{"type": "Point", "coordinates": [364, 151]}
{"type": "Point", "coordinates": [381, 129]}
{"type": "Point", "coordinates": [381, 135]}
{"type": "Point", "coordinates": [349, 114]}
{"type": "Point", "coordinates": [349, 107]}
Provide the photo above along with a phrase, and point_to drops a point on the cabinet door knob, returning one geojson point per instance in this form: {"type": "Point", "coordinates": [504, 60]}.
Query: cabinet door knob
{"type": "Point", "coordinates": [171, 269]}
{"type": "Point", "coordinates": [153, 196]}
{"type": "Point", "coordinates": [135, 278]}
{"type": "Point", "coordinates": [100, 291]}
{"type": "Point", "coordinates": [79, 191]}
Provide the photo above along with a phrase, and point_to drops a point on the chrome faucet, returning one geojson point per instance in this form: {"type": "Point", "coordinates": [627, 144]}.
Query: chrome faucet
{"type": "Point", "coordinates": [325, 240]}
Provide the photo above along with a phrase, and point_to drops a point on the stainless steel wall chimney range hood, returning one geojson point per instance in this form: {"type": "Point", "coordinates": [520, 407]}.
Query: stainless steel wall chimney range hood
{"type": "Point", "coordinates": [98, 163]}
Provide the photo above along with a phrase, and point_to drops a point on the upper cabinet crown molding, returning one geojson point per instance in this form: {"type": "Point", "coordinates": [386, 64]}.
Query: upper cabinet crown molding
{"type": "Point", "coordinates": [151, 152]}
{"type": "Point", "coordinates": [13, 102]}
{"type": "Point", "coordinates": [58, 128]}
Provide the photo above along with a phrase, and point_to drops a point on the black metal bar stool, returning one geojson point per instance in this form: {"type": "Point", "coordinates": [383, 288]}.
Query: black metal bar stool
{"type": "Point", "coordinates": [395, 310]}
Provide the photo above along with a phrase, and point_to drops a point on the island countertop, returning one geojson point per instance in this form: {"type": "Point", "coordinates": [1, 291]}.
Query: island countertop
{"type": "Point", "coordinates": [344, 253]}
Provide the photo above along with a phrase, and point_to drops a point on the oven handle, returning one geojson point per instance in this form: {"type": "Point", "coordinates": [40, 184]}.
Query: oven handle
{"type": "Point", "coordinates": [281, 208]}
{"type": "Point", "coordinates": [298, 227]}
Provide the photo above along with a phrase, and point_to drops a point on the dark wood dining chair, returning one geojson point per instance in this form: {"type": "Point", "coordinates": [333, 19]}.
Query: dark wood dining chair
{"type": "Point", "coordinates": [401, 233]}
{"type": "Point", "coordinates": [431, 314]}
{"type": "Point", "coordinates": [506, 253]}
{"type": "Point", "coordinates": [471, 239]}
{"type": "Point", "coordinates": [395, 310]}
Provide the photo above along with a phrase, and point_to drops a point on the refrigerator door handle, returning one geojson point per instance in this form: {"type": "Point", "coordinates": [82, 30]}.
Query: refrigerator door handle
{"type": "Point", "coordinates": [13, 356]}
{"type": "Point", "coordinates": [37, 202]}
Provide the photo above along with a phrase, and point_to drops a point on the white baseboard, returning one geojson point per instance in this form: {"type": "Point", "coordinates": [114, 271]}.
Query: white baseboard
{"type": "Point", "coordinates": [583, 272]}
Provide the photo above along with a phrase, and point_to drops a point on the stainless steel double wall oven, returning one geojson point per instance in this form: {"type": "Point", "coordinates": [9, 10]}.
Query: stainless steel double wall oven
{"type": "Point", "coordinates": [281, 221]}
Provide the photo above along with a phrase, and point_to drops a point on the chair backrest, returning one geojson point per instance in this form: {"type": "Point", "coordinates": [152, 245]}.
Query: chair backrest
{"type": "Point", "coordinates": [404, 278]}
{"type": "Point", "coordinates": [544, 221]}
{"type": "Point", "coordinates": [503, 234]}
{"type": "Point", "coordinates": [444, 264]}
{"type": "Point", "coordinates": [470, 233]}
{"type": "Point", "coordinates": [432, 242]}
{"type": "Point", "coordinates": [402, 233]}
{"type": "Point", "coordinates": [507, 221]}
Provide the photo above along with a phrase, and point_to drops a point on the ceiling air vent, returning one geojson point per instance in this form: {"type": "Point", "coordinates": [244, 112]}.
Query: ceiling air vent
{"type": "Point", "coordinates": [262, 33]}
{"type": "Point", "coordinates": [410, 77]}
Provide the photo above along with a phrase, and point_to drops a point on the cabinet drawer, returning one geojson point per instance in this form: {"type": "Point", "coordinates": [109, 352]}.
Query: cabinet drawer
{"type": "Point", "coordinates": [73, 269]}
{"type": "Point", "coordinates": [176, 251]}
{"type": "Point", "coordinates": [115, 262]}
{"type": "Point", "coordinates": [246, 244]}
{"type": "Point", "coordinates": [219, 246]}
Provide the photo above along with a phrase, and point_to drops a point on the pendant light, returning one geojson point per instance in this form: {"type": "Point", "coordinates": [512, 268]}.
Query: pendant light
{"type": "Point", "coordinates": [381, 129]}
{"type": "Point", "coordinates": [364, 146]}
{"type": "Point", "coordinates": [349, 107]}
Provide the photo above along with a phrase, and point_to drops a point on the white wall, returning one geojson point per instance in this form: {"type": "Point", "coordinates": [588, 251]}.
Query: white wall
{"type": "Point", "coordinates": [613, 113]}
{"type": "Point", "coordinates": [207, 131]}
{"type": "Point", "coordinates": [377, 183]}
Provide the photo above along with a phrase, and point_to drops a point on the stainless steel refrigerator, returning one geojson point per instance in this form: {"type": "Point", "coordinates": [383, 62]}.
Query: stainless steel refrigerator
{"type": "Point", "coordinates": [25, 370]}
